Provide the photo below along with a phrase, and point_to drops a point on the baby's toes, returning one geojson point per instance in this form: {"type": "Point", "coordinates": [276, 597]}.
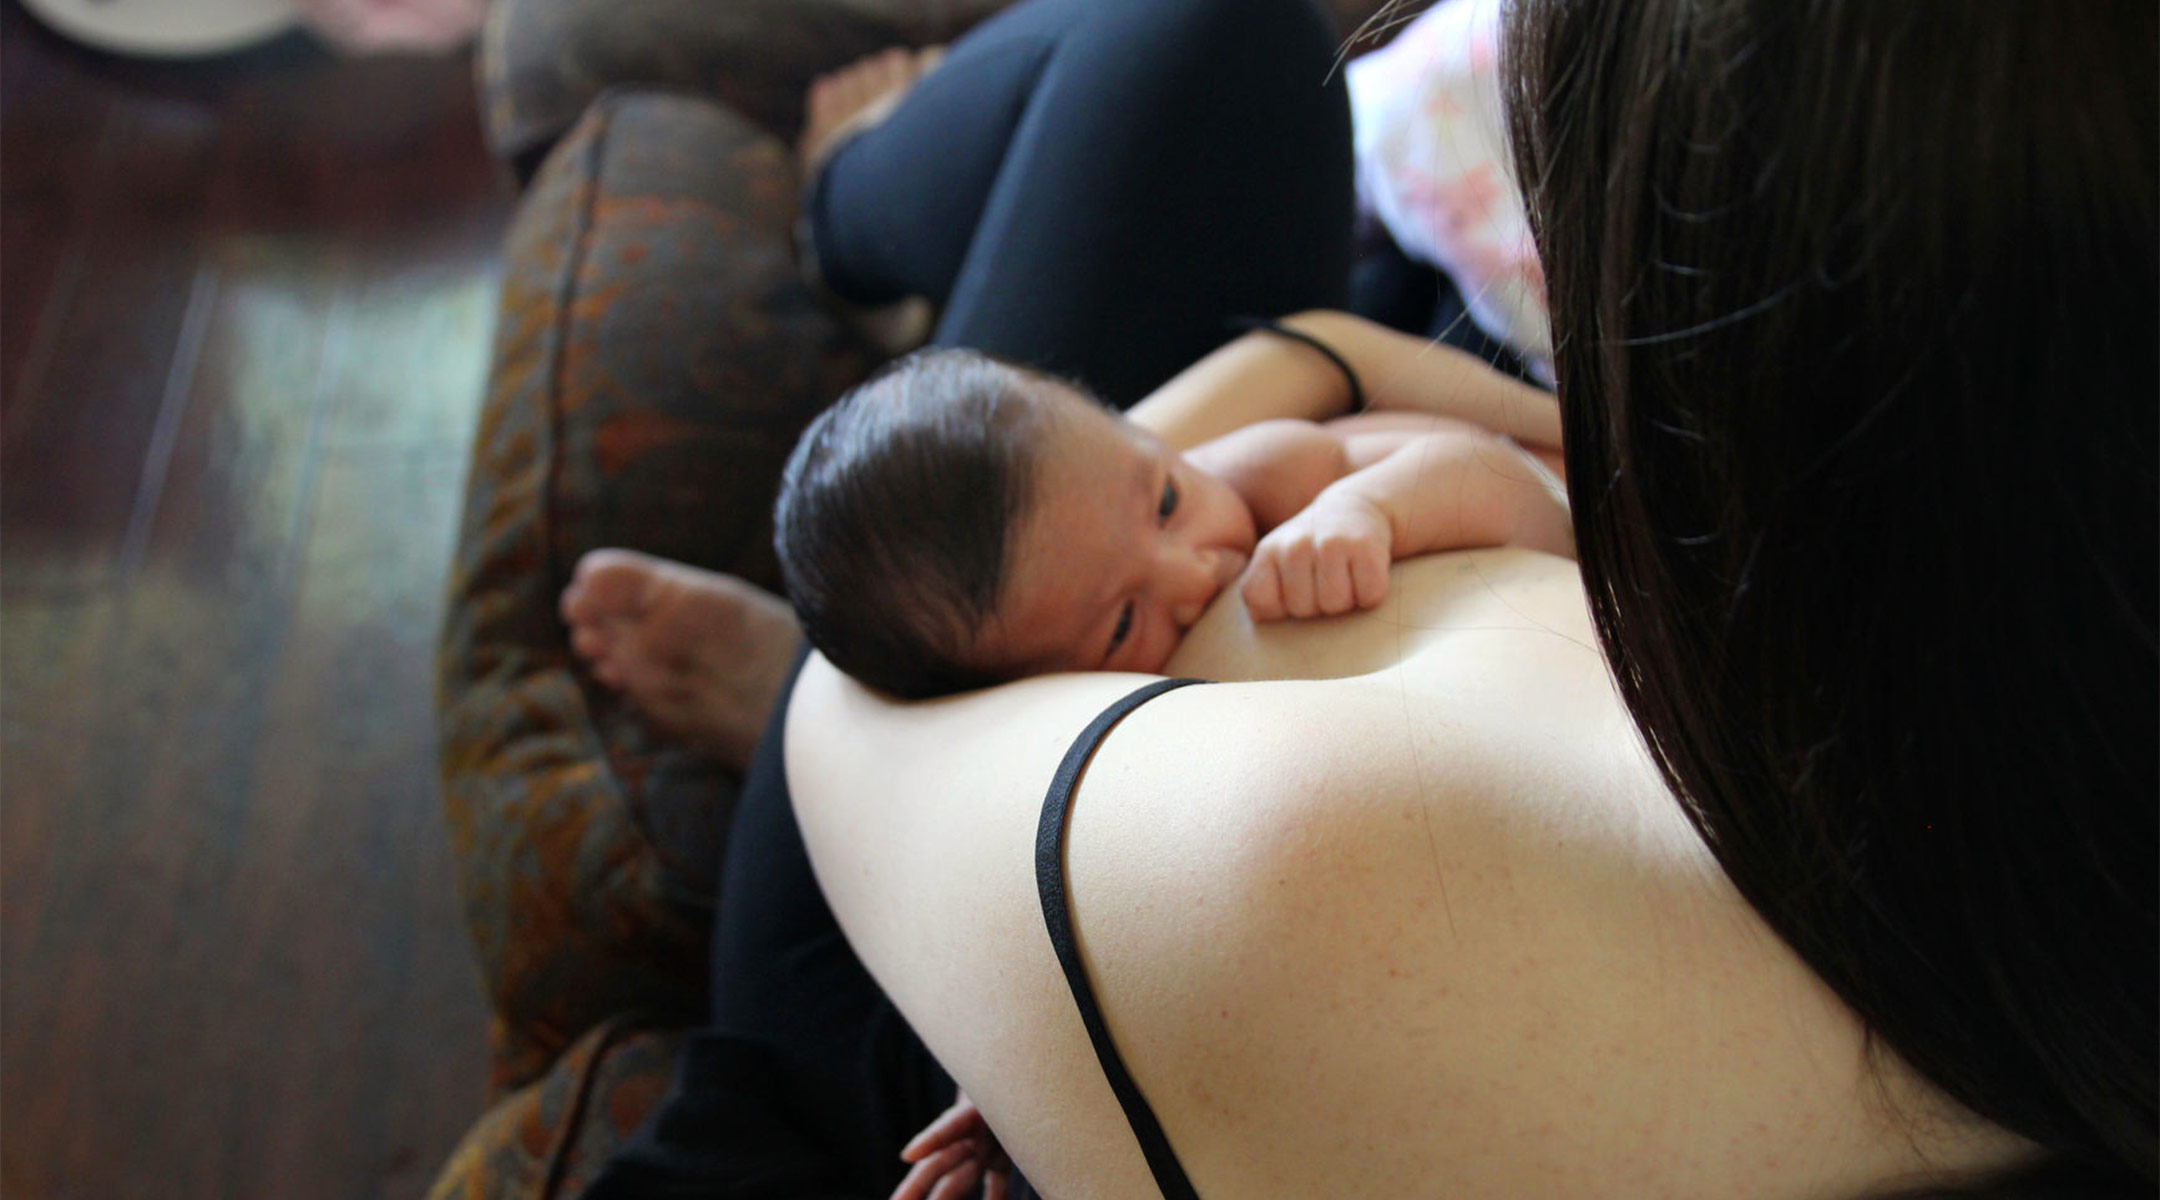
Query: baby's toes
{"type": "Point", "coordinates": [607, 670]}
{"type": "Point", "coordinates": [589, 642]}
{"type": "Point", "coordinates": [888, 70]}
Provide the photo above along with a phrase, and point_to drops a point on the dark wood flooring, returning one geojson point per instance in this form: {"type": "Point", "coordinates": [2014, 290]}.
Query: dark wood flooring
{"type": "Point", "coordinates": [244, 320]}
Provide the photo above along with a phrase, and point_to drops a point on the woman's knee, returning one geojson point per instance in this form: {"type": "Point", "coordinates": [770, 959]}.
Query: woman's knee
{"type": "Point", "coordinates": [1247, 43]}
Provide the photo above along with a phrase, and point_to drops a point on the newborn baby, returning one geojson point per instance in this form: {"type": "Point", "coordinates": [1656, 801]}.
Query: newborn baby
{"type": "Point", "coordinates": [958, 521]}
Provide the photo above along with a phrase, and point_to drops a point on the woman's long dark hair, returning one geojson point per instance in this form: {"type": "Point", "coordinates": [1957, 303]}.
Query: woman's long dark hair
{"type": "Point", "coordinates": [1856, 306]}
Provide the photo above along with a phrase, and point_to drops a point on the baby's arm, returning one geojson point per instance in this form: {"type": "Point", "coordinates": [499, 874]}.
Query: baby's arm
{"type": "Point", "coordinates": [1276, 467]}
{"type": "Point", "coordinates": [1452, 489]}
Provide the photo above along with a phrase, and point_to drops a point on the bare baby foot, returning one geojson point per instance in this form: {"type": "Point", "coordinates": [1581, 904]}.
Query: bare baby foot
{"type": "Point", "coordinates": [845, 102]}
{"type": "Point", "coordinates": [702, 655]}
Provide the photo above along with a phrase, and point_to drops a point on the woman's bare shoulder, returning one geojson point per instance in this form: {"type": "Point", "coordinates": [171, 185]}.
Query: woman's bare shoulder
{"type": "Point", "coordinates": [1435, 917]}
{"type": "Point", "coordinates": [1489, 959]}
{"type": "Point", "coordinates": [1446, 910]}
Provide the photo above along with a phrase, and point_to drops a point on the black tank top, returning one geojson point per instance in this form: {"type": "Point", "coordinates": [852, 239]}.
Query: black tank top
{"type": "Point", "coordinates": [1057, 914]}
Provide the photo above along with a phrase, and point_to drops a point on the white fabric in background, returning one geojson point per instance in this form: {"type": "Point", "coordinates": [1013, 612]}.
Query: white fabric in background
{"type": "Point", "coordinates": [167, 28]}
{"type": "Point", "coordinates": [1433, 166]}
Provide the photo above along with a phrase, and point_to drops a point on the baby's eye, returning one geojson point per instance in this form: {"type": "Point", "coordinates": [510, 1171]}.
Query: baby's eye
{"type": "Point", "coordinates": [1168, 503]}
{"type": "Point", "coordinates": [1124, 627]}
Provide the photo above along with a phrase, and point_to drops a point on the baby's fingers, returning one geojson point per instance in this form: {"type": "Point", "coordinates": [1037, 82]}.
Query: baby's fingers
{"type": "Point", "coordinates": [1334, 579]}
{"type": "Point", "coordinates": [962, 1120]}
{"type": "Point", "coordinates": [1353, 540]}
{"type": "Point", "coordinates": [960, 1182]}
{"type": "Point", "coordinates": [1263, 590]}
{"type": "Point", "coordinates": [1369, 576]}
{"type": "Point", "coordinates": [926, 1180]}
{"type": "Point", "coordinates": [1297, 565]}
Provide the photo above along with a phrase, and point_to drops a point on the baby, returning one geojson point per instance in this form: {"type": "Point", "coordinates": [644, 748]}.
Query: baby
{"type": "Point", "coordinates": [958, 521]}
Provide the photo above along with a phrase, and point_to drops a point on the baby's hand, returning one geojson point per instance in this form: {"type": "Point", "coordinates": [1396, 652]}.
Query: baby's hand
{"type": "Point", "coordinates": [1330, 558]}
{"type": "Point", "coordinates": [953, 1154]}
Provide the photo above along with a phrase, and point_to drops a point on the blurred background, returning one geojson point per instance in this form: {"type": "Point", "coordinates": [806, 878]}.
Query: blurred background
{"type": "Point", "coordinates": [245, 306]}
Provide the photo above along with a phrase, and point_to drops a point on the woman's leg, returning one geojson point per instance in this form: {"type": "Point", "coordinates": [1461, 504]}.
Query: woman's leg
{"type": "Point", "coordinates": [785, 977]}
{"type": "Point", "coordinates": [1091, 187]}
{"type": "Point", "coordinates": [809, 1080]}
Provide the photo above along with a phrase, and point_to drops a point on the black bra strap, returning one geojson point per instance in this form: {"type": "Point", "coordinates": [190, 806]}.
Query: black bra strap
{"type": "Point", "coordinates": [1057, 914]}
{"type": "Point", "coordinates": [1358, 402]}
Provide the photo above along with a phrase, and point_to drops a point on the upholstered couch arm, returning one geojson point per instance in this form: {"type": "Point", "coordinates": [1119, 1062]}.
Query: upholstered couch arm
{"type": "Point", "coordinates": [542, 61]}
{"type": "Point", "coordinates": [656, 355]}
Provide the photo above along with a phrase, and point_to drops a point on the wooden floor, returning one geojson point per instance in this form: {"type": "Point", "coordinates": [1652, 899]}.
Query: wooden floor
{"type": "Point", "coordinates": [244, 314]}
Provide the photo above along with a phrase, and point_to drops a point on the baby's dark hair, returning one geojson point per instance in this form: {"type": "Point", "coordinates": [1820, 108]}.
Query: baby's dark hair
{"type": "Point", "coordinates": [896, 512]}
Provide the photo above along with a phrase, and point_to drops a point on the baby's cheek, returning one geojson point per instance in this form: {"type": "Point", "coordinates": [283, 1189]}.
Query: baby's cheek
{"type": "Point", "coordinates": [1161, 646]}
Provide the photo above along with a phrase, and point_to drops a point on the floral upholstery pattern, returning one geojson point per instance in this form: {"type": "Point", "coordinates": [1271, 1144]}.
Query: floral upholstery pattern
{"type": "Point", "coordinates": [656, 355]}
{"type": "Point", "coordinates": [549, 1138]}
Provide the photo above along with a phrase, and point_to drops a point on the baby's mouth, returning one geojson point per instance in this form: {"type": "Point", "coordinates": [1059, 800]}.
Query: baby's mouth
{"type": "Point", "coordinates": [1229, 568]}
{"type": "Point", "coordinates": [1229, 565]}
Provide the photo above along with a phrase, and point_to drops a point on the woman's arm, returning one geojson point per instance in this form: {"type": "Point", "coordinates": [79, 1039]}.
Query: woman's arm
{"type": "Point", "coordinates": [920, 820]}
{"type": "Point", "coordinates": [1262, 376]}
{"type": "Point", "coordinates": [1257, 377]}
{"type": "Point", "coordinates": [1416, 374]}
{"type": "Point", "coordinates": [921, 823]}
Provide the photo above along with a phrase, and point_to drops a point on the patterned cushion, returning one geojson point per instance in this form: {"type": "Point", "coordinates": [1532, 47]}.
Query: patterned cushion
{"type": "Point", "coordinates": [543, 61]}
{"type": "Point", "coordinates": [655, 358]}
{"type": "Point", "coordinates": [550, 1137]}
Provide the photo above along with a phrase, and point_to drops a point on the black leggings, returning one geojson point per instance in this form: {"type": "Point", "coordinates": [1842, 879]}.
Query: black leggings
{"type": "Point", "coordinates": [809, 1081]}
{"type": "Point", "coordinates": [1090, 187]}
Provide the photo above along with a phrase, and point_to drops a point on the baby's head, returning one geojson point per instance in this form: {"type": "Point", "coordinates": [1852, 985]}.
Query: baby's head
{"type": "Point", "coordinates": [957, 521]}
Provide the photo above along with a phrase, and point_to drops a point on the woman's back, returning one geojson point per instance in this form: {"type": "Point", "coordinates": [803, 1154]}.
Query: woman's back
{"type": "Point", "coordinates": [1437, 921]}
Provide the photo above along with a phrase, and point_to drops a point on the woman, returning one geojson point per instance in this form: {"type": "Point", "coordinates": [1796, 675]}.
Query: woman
{"type": "Point", "coordinates": [1847, 889]}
